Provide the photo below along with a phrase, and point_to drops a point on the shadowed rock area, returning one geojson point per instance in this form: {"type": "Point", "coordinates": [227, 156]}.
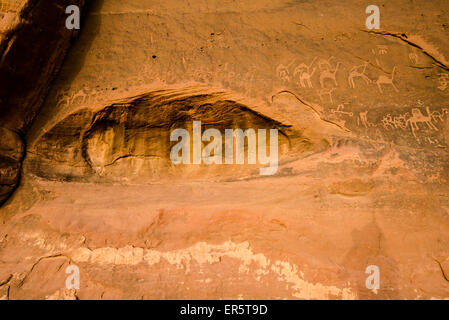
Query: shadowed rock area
{"type": "Point", "coordinates": [33, 43]}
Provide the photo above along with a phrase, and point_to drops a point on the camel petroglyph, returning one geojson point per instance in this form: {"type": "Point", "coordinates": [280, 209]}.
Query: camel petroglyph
{"type": "Point", "coordinates": [304, 74]}
{"type": "Point", "coordinates": [331, 75]}
{"type": "Point", "coordinates": [356, 73]}
{"type": "Point", "coordinates": [382, 80]}
{"type": "Point", "coordinates": [418, 117]}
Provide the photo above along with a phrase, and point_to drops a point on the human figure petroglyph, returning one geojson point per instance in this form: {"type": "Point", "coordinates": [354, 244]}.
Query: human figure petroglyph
{"type": "Point", "coordinates": [356, 73]}
{"type": "Point", "coordinates": [304, 74]}
{"type": "Point", "coordinates": [433, 141]}
{"type": "Point", "coordinates": [395, 122]}
{"type": "Point", "coordinates": [363, 119]}
{"type": "Point", "coordinates": [282, 71]}
{"type": "Point", "coordinates": [84, 95]}
{"type": "Point", "coordinates": [326, 92]}
{"type": "Point", "coordinates": [405, 120]}
{"type": "Point", "coordinates": [418, 117]}
{"type": "Point", "coordinates": [62, 97]}
{"type": "Point", "coordinates": [382, 80]}
{"type": "Point", "coordinates": [439, 115]}
{"type": "Point", "coordinates": [331, 75]}
{"type": "Point", "coordinates": [382, 49]}
{"type": "Point", "coordinates": [401, 121]}
{"type": "Point", "coordinates": [387, 122]}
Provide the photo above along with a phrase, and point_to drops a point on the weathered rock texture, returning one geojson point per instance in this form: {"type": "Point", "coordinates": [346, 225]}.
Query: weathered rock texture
{"type": "Point", "coordinates": [33, 43]}
{"type": "Point", "coordinates": [363, 175]}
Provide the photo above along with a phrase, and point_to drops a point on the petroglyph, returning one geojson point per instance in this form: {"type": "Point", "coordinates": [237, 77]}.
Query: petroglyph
{"type": "Point", "coordinates": [358, 72]}
{"type": "Point", "coordinates": [387, 122]}
{"type": "Point", "coordinates": [383, 80]}
{"type": "Point", "coordinates": [418, 117]}
{"type": "Point", "coordinates": [363, 119]}
{"type": "Point", "coordinates": [382, 49]}
{"type": "Point", "coordinates": [326, 92]}
{"type": "Point", "coordinates": [283, 73]}
{"type": "Point", "coordinates": [416, 120]}
{"type": "Point", "coordinates": [396, 122]}
{"type": "Point", "coordinates": [439, 115]}
{"type": "Point", "coordinates": [80, 97]}
{"type": "Point", "coordinates": [62, 98]}
{"type": "Point", "coordinates": [401, 121]}
{"type": "Point", "coordinates": [340, 110]}
{"type": "Point", "coordinates": [324, 64]}
{"type": "Point", "coordinates": [329, 75]}
{"type": "Point", "coordinates": [304, 74]}
{"type": "Point", "coordinates": [413, 58]}
{"type": "Point", "coordinates": [433, 140]}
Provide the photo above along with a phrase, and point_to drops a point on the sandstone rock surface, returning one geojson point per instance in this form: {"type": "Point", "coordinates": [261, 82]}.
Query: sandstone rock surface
{"type": "Point", "coordinates": [362, 178]}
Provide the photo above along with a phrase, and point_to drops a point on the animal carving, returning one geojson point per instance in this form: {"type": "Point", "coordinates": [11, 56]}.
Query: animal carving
{"type": "Point", "coordinates": [81, 94]}
{"type": "Point", "coordinates": [305, 77]}
{"type": "Point", "coordinates": [324, 64]}
{"type": "Point", "coordinates": [283, 73]}
{"type": "Point", "coordinates": [327, 74]}
{"type": "Point", "coordinates": [304, 74]}
{"type": "Point", "coordinates": [323, 92]}
{"type": "Point", "coordinates": [358, 72]}
{"type": "Point", "coordinates": [439, 115]}
{"type": "Point", "coordinates": [418, 117]}
{"type": "Point", "coordinates": [382, 80]}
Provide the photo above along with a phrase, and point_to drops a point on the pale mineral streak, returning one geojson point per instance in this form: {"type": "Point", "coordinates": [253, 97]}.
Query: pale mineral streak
{"type": "Point", "coordinates": [204, 253]}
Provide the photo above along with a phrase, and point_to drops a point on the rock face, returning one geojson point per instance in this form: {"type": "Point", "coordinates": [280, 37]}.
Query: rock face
{"type": "Point", "coordinates": [362, 177]}
{"type": "Point", "coordinates": [33, 42]}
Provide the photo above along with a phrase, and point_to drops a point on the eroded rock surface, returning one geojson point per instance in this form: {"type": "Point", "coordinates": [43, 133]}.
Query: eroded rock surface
{"type": "Point", "coordinates": [363, 174]}
{"type": "Point", "coordinates": [33, 43]}
{"type": "Point", "coordinates": [130, 140]}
